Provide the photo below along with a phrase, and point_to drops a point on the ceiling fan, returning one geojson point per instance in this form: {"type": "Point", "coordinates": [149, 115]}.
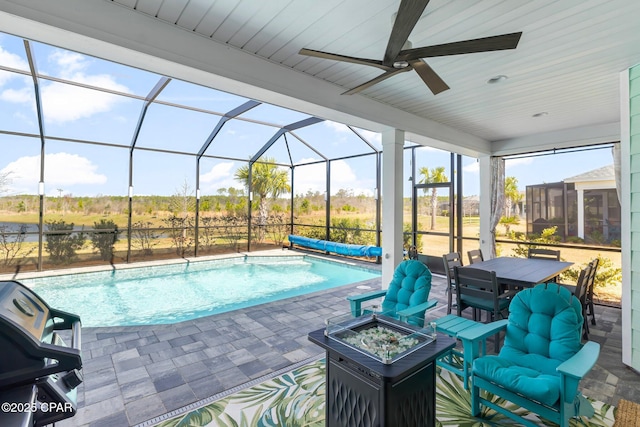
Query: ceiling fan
{"type": "Point", "coordinates": [399, 58]}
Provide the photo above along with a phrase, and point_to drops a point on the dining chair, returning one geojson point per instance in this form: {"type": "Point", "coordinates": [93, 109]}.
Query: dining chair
{"type": "Point", "coordinates": [580, 290]}
{"type": "Point", "coordinates": [592, 278]}
{"type": "Point", "coordinates": [541, 362]}
{"type": "Point", "coordinates": [451, 260]}
{"type": "Point", "coordinates": [479, 289]}
{"type": "Point", "coordinates": [475, 256]}
{"type": "Point", "coordinates": [539, 253]}
{"type": "Point", "coordinates": [544, 254]}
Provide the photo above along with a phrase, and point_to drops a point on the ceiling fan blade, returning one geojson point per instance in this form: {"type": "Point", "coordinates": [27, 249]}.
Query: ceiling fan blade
{"type": "Point", "coordinates": [342, 58]}
{"type": "Point", "coordinates": [378, 79]}
{"type": "Point", "coordinates": [407, 17]}
{"type": "Point", "coordinates": [430, 77]}
{"type": "Point", "coordinates": [485, 44]}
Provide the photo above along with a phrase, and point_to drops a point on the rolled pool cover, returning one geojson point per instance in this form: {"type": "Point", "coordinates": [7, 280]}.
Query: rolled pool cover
{"type": "Point", "coordinates": [338, 248]}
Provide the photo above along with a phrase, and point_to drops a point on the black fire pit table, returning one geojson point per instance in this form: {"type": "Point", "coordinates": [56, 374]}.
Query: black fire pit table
{"type": "Point", "coordinates": [380, 372]}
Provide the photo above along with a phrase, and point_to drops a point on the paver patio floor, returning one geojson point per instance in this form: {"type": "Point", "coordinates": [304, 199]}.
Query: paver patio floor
{"type": "Point", "coordinates": [134, 374]}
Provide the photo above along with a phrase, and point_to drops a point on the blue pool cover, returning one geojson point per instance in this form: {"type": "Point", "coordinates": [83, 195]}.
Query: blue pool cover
{"type": "Point", "coordinates": [338, 248]}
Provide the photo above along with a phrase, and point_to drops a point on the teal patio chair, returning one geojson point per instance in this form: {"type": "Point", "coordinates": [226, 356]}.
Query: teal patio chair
{"type": "Point", "coordinates": [542, 360]}
{"type": "Point", "coordinates": [406, 298]}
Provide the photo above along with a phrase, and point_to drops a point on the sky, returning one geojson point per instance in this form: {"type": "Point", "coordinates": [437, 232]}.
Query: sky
{"type": "Point", "coordinates": [74, 112]}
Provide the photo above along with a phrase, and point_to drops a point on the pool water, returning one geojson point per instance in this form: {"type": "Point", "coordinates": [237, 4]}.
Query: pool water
{"type": "Point", "coordinates": [174, 293]}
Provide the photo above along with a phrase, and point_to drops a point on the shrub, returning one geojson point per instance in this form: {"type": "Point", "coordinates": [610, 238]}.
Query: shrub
{"type": "Point", "coordinates": [278, 227]}
{"type": "Point", "coordinates": [103, 241]}
{"type": "Point", "coordinates": [181, 233]}
{"type": "Point", "coordinates": [62, 246]}
{"type": "Point", "coordinates": [233, 228]}
{"type": "Point", "coordinates": [508, 221]}
{"type": "Point", "coordinates": [143, 237]}
{"type": "Point", "coordinates": [311, 232]}
{"type": "Point", "coordinates": [350, 230]}
{"type": "Point", "coordinates": [596, 237]}
{"type": "Point", "coordinates": [606, 275]}
{"type": "Point", "coordinates": [206, 234]}
{"type": "Point", "coordinates": [547, 236]}
{"type": "Point", "coordinates": [575, 239]}
{"type": "Point", "coordinates": [11, 245]}
{"type": "Point", "coordinates": [305, 206]}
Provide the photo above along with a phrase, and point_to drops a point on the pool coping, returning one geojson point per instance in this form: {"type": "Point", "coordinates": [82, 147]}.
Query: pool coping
{"type": "Point", "coordinates": [177, 261]}
{"type": "Point", "coordinates": [271, 257]}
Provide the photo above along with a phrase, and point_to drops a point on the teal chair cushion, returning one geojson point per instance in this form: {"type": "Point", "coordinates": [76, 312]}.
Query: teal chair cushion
{"type": "Point", "coordinates": [544, 330]}
{"type": "Point", "coordinates": [483, 303]}
{"type": "Point", "coordinates": [529, 382]}
{"type": "Point", "coordinates": [410, 286]}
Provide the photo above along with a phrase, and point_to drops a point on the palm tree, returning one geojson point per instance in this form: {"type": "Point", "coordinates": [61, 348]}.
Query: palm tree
{"type": "Point", "coordinates": [267, 180]}
{"type": "Point", "coordinates": [433, 176]}
{"type": "Point", "coordinates": [511, 194]}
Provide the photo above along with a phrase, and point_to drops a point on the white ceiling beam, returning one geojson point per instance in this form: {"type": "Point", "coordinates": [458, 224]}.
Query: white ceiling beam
{"type": "Point", "coordinates": [566, 138]}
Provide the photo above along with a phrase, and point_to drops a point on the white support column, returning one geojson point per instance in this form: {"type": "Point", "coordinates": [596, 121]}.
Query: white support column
{"type": "Point", "coordinates": [392, 192]}
{"type": "Point", "coordinates": [630, 335]}
{"type": "Point", "coordinates": [485, 205]}
{"type": "Point", "coordinates": [580, 196]}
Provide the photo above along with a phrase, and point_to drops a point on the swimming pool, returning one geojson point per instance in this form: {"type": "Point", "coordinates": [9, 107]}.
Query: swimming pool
{"type": "Point", "coordinates": [178, 292]}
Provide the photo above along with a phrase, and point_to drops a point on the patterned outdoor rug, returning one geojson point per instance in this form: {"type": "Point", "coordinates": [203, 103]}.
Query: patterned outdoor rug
{"type": "Point", "coordinates": [296, 399]}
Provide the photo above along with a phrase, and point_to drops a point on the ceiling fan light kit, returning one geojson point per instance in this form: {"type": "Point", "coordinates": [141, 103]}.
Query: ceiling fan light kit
{"type": "Point", "coordinates": [399, 56]}
{"type": "Point", "coordinates": [400, 64]}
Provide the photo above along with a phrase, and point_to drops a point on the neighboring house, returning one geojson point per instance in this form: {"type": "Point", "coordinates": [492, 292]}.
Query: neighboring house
{"type": "Point", "coordinates": [584, 206]}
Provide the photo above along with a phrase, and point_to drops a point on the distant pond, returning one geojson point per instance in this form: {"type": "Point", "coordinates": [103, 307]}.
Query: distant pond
{"type": "Point", "coordinates": [29, 230]}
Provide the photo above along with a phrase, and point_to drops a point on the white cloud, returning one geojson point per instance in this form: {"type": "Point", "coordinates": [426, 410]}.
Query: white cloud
{"type": "Point", "coordinates": [23, 95]}
{"type": "Point", "coordinates": [66, 103]}
{"type": "Point", "coordinates": [220, 176]}
{"type": "Point", "coordinates": [10, 60]}
{"type": "Point", "coordinates": [510, 164]}
{"type": "Point", "coordinates": [69, 62]}
{"type": "Point", "coordinates": [61, 170]}
{"type": "Point", "coordinates": [218, 172]}
{"type": "Point", "coordinates": [473, 167]}
{"type": "Point", "coordinates": [312, 177]}
{"type": "Point", "coordinates": [372, 137]}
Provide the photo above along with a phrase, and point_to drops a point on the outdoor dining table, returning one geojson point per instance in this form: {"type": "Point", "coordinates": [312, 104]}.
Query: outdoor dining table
{"type": "Point", "coordinates": [522, 272]}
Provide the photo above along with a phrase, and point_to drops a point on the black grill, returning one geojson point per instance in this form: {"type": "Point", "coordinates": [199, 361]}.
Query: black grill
{"type": "Point", "coordinates": [39, 372]}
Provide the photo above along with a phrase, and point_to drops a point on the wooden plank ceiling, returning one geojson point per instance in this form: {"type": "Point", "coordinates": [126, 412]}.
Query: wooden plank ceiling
{"type": "Point", "coordinates": [566, 65]}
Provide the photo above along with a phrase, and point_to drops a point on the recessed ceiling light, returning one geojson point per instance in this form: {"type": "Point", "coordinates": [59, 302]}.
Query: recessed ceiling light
{"type": "Point", "coordinates": [497, 79]}
{"type": "Point", "coordinates": [540, 114]}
